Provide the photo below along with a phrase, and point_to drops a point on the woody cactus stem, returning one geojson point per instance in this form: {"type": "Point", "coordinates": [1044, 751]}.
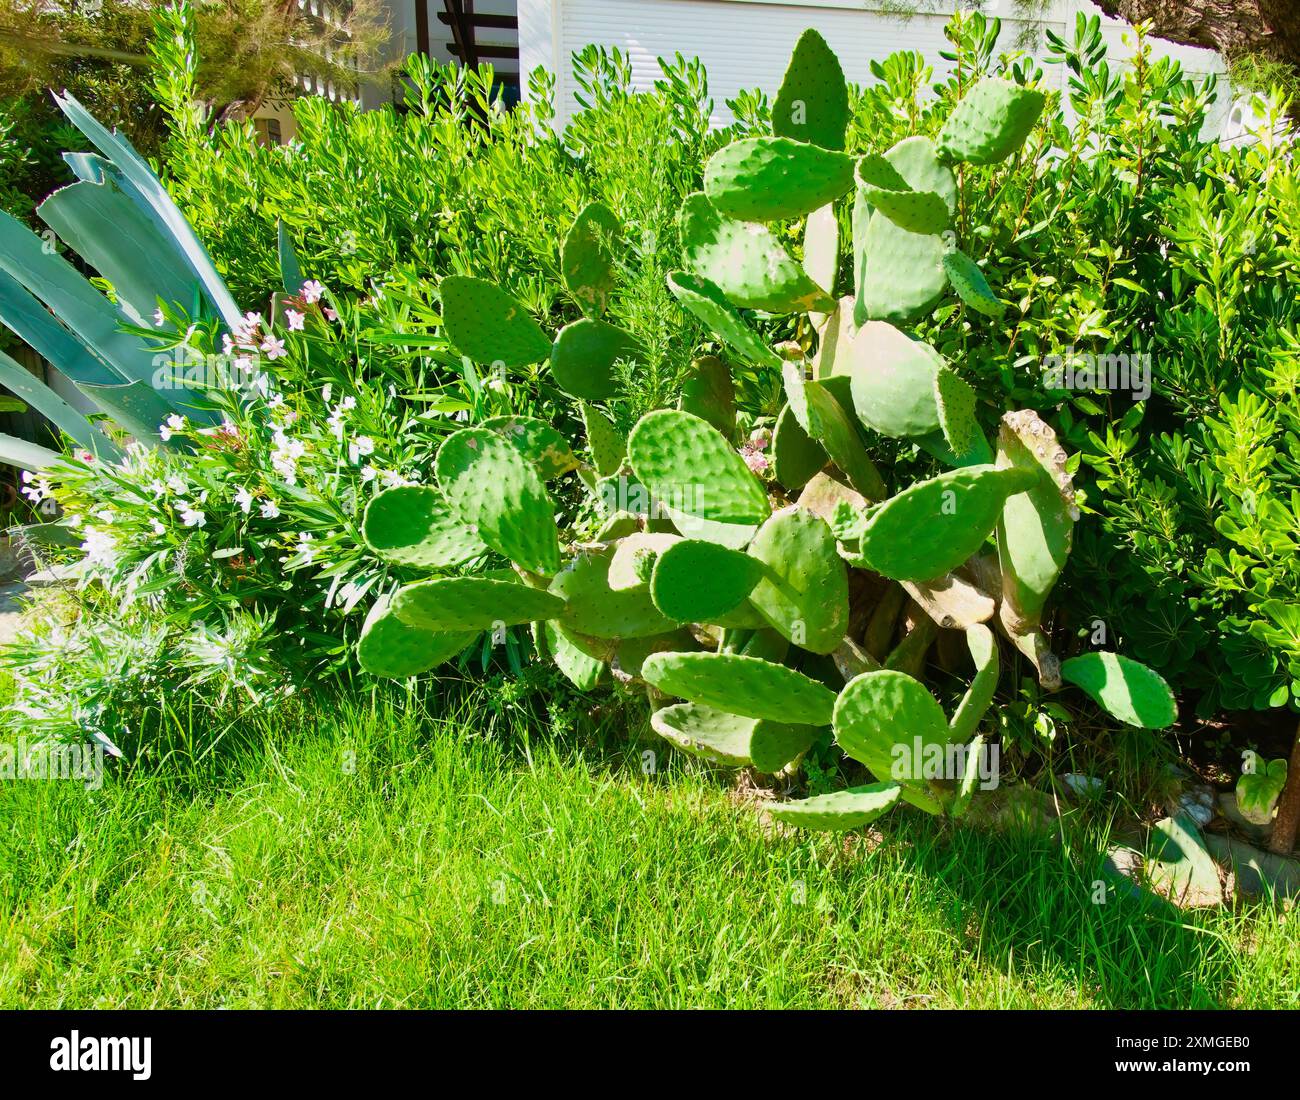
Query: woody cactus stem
{"type": "Point", "coordinates": [1287, 821]}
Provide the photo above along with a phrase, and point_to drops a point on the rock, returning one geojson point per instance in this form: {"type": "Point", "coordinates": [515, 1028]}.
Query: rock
{"type": "Point", "coordinates": [1179, 864]}
{"type": "Point", "coordinates": [1228, 808]}
{"type": "Point", "coordinates": [1257, 872]}
{"type": "Point", "coordinates": [1123, 865]}
{"type": "Point", "coordinates": [1197, 803]}
{"type": "Point", "coordinates": [1083, 785]}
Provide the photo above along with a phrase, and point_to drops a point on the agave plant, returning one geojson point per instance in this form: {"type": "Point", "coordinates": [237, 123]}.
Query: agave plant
{"type": "Point", "coordinates": [120, 220]}
{"type": "Point", "coordinates": [768, 610]}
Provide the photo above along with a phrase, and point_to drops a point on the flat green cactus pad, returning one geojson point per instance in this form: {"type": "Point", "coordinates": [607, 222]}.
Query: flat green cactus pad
{"type": "Point", "coordinates": [1036, 530]}
{"type": "Point", "coordinates": [585, 357]}
{"type": "Point", "coordinates": [859, 222]}
{"type": "Point", "coordinates": [608, 448]}
{"type": "Point", "coordinates": [902, 275]}
{"type": "Point", "coordinates": [412, 525]}
{"type": "Point", "coordinates": [825, 421]}
{"type": "Point", "coordinates": [593, 608]}
{"type": "Point", "coordinates": [742, 685]}
{"type": "Point", "coordinates": [991, 122]}
{"type": "Point", "coordinates": [893, 381]}
{"type": "Point", "coordinates": [634, 559]}
{"type": "Point", "coordinates": [494, 489]}
{"type": "Point", "coordinates": [539, 442]}
{"type": "Point", "coordinates": [472, 603]}
{"type": "Point", "coordinates": [889, 722]}
{"type": "Point", "coordinates": [821, 256]}
{"type": "Point", "coordinates": [706, 731]}
{"type": "Point", "coordinates": [709, 393]}
{"type": "Point", "coordinates": [710, 306]}
{"type": "Point", "coordinates": [685, 462]}
{"type": "Point", "coordinates": [813, 101]}
{"type": "Point", "coordinates": [955, 401]}
{"type": "Point", "coordinates": [972, 288]}
{"type": "Point", "coordinates": [804, 590]}
{"type": "Point", "coordinates": [917, 160]}
{"type": "Point", "coordinates": [1127, 689]}
{"type": "Point", "coordinates": [391, 648]}
{"type": "Point", "coordinates": [746, 262]}
{"type": "Point", "coordinates": [580, 668]}
{"type": "Point", "coordinates": [487, 325]}
{"type": "Point", "coordinates": [796, 456]}
{"type": "Point", "coordinates": [979, 696]}
{"type": "Point", "coordinates": [587, 258]}
{"type": "Point", "coordinates": [841, 810]}
{"type": "Point", "coordinates": [698, 582]}
{"type": "Point", "coordinates": [935, 444]}
{"type": "Point", "coordinates": [730, 739]}
{"type": "Point", "coordinates": [768, 179]}
{"type": "Point", "coordinates": [932, 527]}
{"type": "Point", "coordinates": [886, 190]}
{"type": "Point", "coordinates": [834, 357]}
{"type": "Point", "coordinates": [734, 536]}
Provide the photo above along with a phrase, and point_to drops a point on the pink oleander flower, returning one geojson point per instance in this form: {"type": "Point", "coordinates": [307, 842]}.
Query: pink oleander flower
{"type": "Point", "coordinates": [273, 348]}
{"type": "Point", "coordinates": [312, 291]}
{"type": "Point", "coordinates": [295, 319]}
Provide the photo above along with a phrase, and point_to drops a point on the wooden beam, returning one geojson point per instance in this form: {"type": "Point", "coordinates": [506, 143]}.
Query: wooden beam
{"type": "Point", "coordinates": [485, 51]}
{"type": "Point", "coordinates": [422, 27]}
{"type": "Point", "coordinates": [493, 22]}
{"type": "Point", "coordinates": [461, 34]}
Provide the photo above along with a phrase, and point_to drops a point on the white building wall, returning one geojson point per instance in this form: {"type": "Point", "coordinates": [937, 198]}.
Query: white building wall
{"type": "Point", "coordinates": [747, 43]}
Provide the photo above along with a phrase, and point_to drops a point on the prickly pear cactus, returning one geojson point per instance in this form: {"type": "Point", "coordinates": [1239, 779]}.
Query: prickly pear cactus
{"type": "Point", "coordinates": [766, 600]}
{"type": "Point", "coordinates": [486, 324]}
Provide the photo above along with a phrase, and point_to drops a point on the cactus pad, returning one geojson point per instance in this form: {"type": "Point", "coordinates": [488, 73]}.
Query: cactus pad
{"type": "Point", "coordinates": [710, 306]}
{"type": "Point", "coordinates": [825, 421]}
{"type": "Point", "coordinates": [412, 525]}
{"type": "Point", "coordinates": [390, 648]}
{"type": "Point", "coordinates": [746, 262]}
{"type": "Point", "coordinates": [979, 696]}
{"type": "Point", "coordinates": [821, 257]}
{"type": "Point", "coordinates": [804, 589]}
{"type": "Point", "coordinates": [893, 381]}
{"type": "Point", "coordinates": [813, 101]}
{"type": "Point", "coordinates": [543, 445]}
{"type": "Point", "coordinates": [579, 667]}
{"type": "Point", "coordinates": [887, 191]}
{"type": "Point", "coordinates": [487, 325]}
{"type": "Point", "coordinates": [932, 527]}
{"type": "Point", "coordinates": [593, 608]}
{"type": "Point", "coordinates": [768, 179]}
{"type": "Point", "coordinates": [491, 487]}
{"type": "Point", "coordinates": [634, 559]}
{"type": "Point", "coordinates": [709, 393]}
{"type": "Point", "coordinates": [697, 582]}
{"type": "Point", "coordinates": [991, 122]}
{"type": "Point", "coordinates": [1127, 689]}
{"type": "Point", "coordinates": [972, 288]}
{"type": "Point", "coordinates": [841, 810]}
{"type": "Point", "coordinates": [955, 401]}
{"type": "Point", "coordinates": [685, 462]}
{"type": "Point", "coordinates": [748, 686]}
{"type": "Point", "coordinates": [587, 258]}
{"type": "Point", "coordinates": [472, 603]}
{"type": "Point", "coordinates": [889, 722]}
{"type": "Point", "coordinates": [796, 456]}
{"type": "Point", "coordinates": [904, 277]}
{"type": "Point", "coordinates": [584, 357]}
{"type": "Point", "coordinates": [608, 448]}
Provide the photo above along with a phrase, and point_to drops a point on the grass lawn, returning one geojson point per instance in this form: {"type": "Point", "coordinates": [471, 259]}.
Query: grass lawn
{"type": "Point", "coordinates": [372, 855]}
